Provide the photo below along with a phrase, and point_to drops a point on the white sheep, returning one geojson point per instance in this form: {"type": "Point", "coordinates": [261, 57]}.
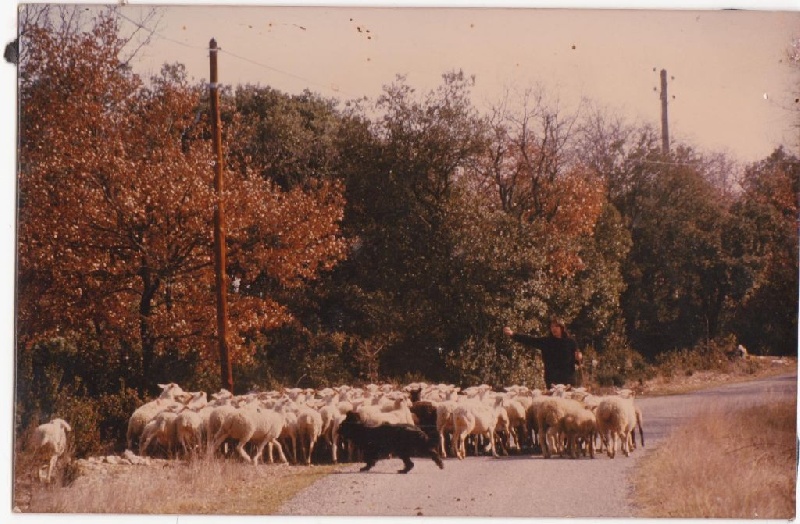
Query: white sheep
{"type": "Point", "coordinates": [517, 421]}
{"type": "Point", "coordinates": [548, 418]}
{"type": "Point", "coordinates": [171, 395]}
{"type": "Point", "coordinates": [253, 423]}
{"type": "Point", "coordinates": [331, 419]}
{"type": "Point", "coordinates": [532, 417]}
{"type": "Point", "coordinates": [190, 423]}
{"type": "Point", "coordinates": [446, 401]}
{"type": "Point", "coordinates": [477, 418]}
{"type": "Point", "coordinates": [576, 426]}
{"type": "Point", "coordinates": [616, 419]}
{"type": "Point", "coordinates": [163, 430]}
{"type": "Point", "coordinates": [309, 428]}
{"type": "Point", "coordinates": [51, 440]}
{"type": "Point", "coordinates": [289, 432]}
{"type": "Point", "coordinates": [395, 412]}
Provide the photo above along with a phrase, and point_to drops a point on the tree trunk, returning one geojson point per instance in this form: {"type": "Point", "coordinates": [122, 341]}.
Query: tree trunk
{"type": "Point", "coordinates": [148, 339]}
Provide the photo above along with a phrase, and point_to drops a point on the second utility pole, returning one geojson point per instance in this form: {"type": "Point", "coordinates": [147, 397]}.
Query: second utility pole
{"type": "Point", "coordinates": [219, 228]}
{"type": "Point", "coordinates": [664, 119]}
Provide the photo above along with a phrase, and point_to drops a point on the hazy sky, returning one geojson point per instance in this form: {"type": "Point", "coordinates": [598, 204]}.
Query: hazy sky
{"type": "Point", "coordinates": [732, 77]}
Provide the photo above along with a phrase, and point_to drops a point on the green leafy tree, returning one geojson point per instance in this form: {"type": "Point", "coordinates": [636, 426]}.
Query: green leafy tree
{"type": "Point", "coordinates": [401, 169]}
{"type": "Point", "coordinates": [766, 239]}
{"type": "Point", "coordinates": [678, 271]}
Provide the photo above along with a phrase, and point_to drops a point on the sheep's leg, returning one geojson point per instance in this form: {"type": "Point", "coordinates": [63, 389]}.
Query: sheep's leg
{"type": "Point", "coordinates": [564, 445]}
{"type": "Point", "coordinates": [612, 445]}
{"type": "Point", "coordinates": [216, 442]}
{"type": "Point", "coordinates": [301, 443]}
{"type": "Point", "coordinates": [260, 451]}
{"type": "Point", "coordinates": [442, 450]}
{"type": "Point", "coordinates": [274, 442]}
{"type": "Point", "coordinates": [460, 445]}
{"type": "Point", "coordinates": [553, 441]}
{"type": "Point", "coordinates": [198, 442]}
{"type": "Point", "coordinates": [293, 438]}
{"type": "Point", "coordinates": [334, 445]}
{"type": "Point", "coordinates": [269, 452]}
{"type": "Point", "coordinates": [144, 445]}
{"type": "Point", "coordinates": [182, 439]}
{"type": "Point", "coordinates": [550, 443]}
{"type": "Point", "coordinates": [242, 441]}
{"type": "Point", "coordinates": [242, 452]}
{"type": "Point", "coordinates": [492, 444]}
{"type": "Point", "coordinates": [603, 447]}
{"type": "Point", "coordinates": [310, 450]}
{"type": "Point", "coordinates": [52, 467]}
{"type": "Point", "coordinates": [543, 443]}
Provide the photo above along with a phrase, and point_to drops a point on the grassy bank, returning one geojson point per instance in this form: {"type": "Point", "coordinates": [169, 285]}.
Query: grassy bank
{"type": "Point", "coordinates": [739, 464]}
{"type": "Point", "coordinates": [221, 487]}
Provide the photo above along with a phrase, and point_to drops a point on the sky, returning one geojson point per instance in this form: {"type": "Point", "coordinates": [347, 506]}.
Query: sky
{"type": "Point", "coordinates": [732, 81]}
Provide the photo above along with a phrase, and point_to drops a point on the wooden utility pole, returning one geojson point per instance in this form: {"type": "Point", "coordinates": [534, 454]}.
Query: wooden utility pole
{"type": "Point", "coordinates": [219, 228]}
{"type": "Point", "coordinates": [664, 119]}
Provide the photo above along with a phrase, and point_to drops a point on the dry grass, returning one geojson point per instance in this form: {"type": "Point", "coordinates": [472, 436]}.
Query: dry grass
{"type": "Point", "coordinates": [222, 487]}
{"type": "Point", "coordinates": [682, 382]}
{"type": "Point", "coordinates": [699, 473]}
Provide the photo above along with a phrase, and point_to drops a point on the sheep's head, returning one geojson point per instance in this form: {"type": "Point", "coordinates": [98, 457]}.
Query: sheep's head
{"type": "Point", "coordinates": [170, 390]}
{"type": "Point", "coordinates": [63, 423]}
{"type": "Point", "coordinates": [221, 394]}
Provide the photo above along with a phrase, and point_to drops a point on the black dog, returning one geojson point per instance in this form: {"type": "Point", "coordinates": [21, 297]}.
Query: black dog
{"type": "Point", "coordinates": [379, 442]}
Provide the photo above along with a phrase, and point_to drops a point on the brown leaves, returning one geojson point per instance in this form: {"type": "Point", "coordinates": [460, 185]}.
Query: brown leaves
{"type": "Point", "coordinates": [116, 206]}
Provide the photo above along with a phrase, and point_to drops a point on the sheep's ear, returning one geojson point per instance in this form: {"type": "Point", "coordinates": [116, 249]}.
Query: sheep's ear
{"type": "Point", "coordinates": [66, 426]}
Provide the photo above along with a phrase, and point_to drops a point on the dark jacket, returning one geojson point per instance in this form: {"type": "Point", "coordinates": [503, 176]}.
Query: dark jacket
{"type": "Point", "coordinates": [558, 356]}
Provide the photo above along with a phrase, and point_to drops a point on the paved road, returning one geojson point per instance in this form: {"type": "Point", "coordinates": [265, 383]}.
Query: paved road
{"type": "Point", "coordinates": [525, 486]}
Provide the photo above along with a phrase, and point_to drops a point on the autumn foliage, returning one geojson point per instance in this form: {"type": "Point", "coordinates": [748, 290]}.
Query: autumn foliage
{"type": "Point", "coordinates": [116, 203]}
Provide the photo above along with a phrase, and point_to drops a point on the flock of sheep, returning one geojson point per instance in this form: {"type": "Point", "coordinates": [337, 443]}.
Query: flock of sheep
{"type": "Point", "coordinates": [563, 421]}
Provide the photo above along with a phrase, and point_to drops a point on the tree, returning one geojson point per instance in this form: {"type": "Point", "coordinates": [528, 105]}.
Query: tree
{"type": "Point", "coordinates": [401, 169]}
{"type": "Point", "coordinates": [525, 220]}
{"type": "Point", "coordinates": [115, 211]}
{"type": "Point", "coordinates": [678, 273]}
{"type": "Point", "coordinates": [766, 239]}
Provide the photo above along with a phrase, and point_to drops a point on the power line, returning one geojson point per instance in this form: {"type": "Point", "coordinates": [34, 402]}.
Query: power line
{"type": "Point", "coordinates": [276, 70]}
{"type": "Point", "coordinates": [153, 32]}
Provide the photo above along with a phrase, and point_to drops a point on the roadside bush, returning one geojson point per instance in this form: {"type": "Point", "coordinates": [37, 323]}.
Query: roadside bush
{"type": "Point", "coordinates": [617, 366]}
{"type": "Point", "coordinates": [98, 424]}
{"type": "Point", "coordinates": [114, 412]}
{"type": "Point", "coordinates": [712, 356]}
{"type": "Point", "coordinates": [83, 415]}
{"type": "Point", "coordinates": [481, 361]}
